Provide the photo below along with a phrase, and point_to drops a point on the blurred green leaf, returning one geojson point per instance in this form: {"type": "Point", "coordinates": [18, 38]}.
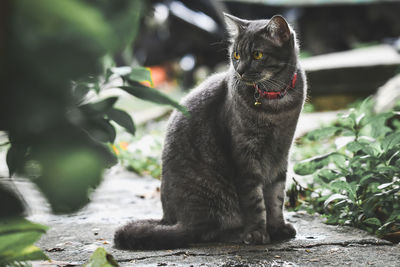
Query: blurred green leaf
{"type": "Point", "coordinates": [99, 108]}
{"type": "Point", "coordinates": [68, 177]}
{"type": "Point", "coordinates": [16, 238]}
{"type": "Point", "coordinates": [151, 94]}
{"type": "Point", "coordinates": [390, 141]}
{"type": "Point", "coordinates": [140, 74]}
{"type": "Point", "coordinates": [349, 188]}
{"type": "Point", "coordinates": [100, 258]}
{"type": "Point", "coordinates": [122, 118]}
{"type": "Point", "coordinates": [311, 165]}
{"type": "Point", "coordinates": [322, 133]}
{"type": "Point", "coordinates": [373, 222]}
{"type": "Point", "coordinates": [101, 130]}
{"type": "Point", "coordinates": [366, 147]}
{"type": "Point", "coordinates": [333, 198]}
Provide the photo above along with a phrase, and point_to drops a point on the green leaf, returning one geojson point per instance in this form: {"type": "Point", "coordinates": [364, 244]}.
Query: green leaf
{"type": "Point", "coordinates": [151, 94]}
{"type": "Point", "coordinates": [369, 178]}
{"type": "Point", "coordinates": [30, 253]}
{"type": "Point", "coordinates": [67, 178]}
{"type": "Point", "coordinates": [311, 165]}
{"type": "Point", "coordinates": [19, 264]}
{"type": "Point", "coordinates": [322, 133]}
{"type": "Point", "coordinates": [101, 130]}
{"type": "Point", "coordinates": [15, 224]}
{"type": "Point", "coordinates": [340, 186]}
{"type": "Point", "coordinates": [373, 222]}
{"type": "Point", "coordinates": [361, 145]}
{"type": "Point", "coordinates": [123, 119]}
{"type": "Point", "coordinates": [100, 258]}
{"type": "Point", "coordinates": [375, 125]}
{"type": "Point", "coordinates": [327, 175]}
{"type": "Point", "coordinates": [99, 108]}
{"type": "Point", "coordinates": [333, 198]}
{"type": "Point", "coordinates": [16, 238]}
{"type": "Point", "coordinates": [390, 141]}
{"type": "Point", "coordinates": [140, 74]}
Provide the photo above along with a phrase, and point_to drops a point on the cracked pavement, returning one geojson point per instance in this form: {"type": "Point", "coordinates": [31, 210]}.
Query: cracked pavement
{"type": "Point", "coordinates": [124, 196]}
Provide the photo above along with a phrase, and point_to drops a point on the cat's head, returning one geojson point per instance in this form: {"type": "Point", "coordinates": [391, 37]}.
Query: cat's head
{"type": "Point", "coordinates": [262, 51]}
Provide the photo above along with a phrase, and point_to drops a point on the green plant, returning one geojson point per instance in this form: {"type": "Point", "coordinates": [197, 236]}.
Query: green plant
{"type": "Point", "coordinates": [142, 154]}
{"type": "Point", "coordinates": [53, 54]}
{"type": "Point", "coordinates": [100, 258]}
{"type": "Point", "coordinates": [16, 238]}
{"type": "Point", "coordinates": [357, 181]}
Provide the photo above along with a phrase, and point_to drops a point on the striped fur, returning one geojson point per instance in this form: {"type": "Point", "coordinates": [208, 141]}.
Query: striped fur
{"type": "Point", "coordinates": [224, 166]}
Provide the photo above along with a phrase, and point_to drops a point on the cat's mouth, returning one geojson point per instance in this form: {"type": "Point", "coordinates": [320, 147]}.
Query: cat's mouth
{"type": "Point", "coordinates": [263, 84]}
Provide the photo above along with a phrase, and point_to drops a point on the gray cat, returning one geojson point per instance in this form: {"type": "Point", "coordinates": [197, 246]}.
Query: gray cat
{"type": "Point", "coordinates": [224, 166]}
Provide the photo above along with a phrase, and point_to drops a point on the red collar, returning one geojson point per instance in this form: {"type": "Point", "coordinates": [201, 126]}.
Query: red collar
{"type": "Point", "coordinates": [260, 93]}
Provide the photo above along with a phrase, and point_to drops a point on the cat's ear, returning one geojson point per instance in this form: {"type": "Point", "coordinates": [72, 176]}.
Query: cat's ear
{"type": "Point", "coordinates": [234, 24]}
{"type": "Point", "coordinates": [278, 29]}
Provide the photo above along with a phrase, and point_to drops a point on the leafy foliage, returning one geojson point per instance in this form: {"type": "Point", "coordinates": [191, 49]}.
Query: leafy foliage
{"type": "Point", "coordinates": [358, 182]}
{"type": "Point", "coordinates": [56, 54]}
{"type": "Point", "coordinates": [100, 258]}
{"type": "Point", "coordinates": [17, 236]}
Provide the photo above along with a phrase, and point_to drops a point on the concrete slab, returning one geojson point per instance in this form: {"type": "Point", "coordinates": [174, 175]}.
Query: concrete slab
{"type": "Point", "coordinates": [123, 196]}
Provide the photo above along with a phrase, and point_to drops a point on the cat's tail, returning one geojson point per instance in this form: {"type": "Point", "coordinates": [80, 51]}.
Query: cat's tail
{"type": "Point", "coordinates": [151, 234]}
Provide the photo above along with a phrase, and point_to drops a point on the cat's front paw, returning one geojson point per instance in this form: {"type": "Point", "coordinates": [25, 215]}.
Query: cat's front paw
{"type": "Point", "coordinates": [283, 231]}
{"type": "Point", "coordinates": [256, 237]}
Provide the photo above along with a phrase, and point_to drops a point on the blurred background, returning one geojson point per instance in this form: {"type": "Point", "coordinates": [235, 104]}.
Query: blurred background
{"type": "Point", "coordinates": [74, 73]}
{"type": "Point", "coordinates": [186, 40]}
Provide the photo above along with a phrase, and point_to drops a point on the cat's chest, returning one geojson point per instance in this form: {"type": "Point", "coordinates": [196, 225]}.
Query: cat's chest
{"type": "Point", "coordinates": [264, 145]}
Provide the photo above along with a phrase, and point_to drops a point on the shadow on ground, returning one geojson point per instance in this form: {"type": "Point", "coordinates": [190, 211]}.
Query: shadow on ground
{"type": "Point", "coordinates": [123, 196]}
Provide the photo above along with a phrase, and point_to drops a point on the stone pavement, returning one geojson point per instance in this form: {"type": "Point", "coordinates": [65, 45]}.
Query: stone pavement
{"type": "Point", "coordinates": [124, 196]}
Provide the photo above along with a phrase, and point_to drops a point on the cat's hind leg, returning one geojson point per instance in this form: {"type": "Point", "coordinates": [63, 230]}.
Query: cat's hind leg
{"type": "Point", "coordinates": [274, 199]}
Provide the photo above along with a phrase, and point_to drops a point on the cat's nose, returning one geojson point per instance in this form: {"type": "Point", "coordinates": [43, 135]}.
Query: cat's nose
{"type": "Point", "coordinates": [241, 70]}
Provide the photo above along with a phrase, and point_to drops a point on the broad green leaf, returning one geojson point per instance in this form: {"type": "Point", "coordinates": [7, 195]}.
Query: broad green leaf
{"type": "Point", "coordinates": [363, 146]}
{"type": "Point", "coordinates": [373, 221]}
{"type": "Point", "coordinates": [99, 108]}
{"type": "Point", "coordinates": [368, 178]}
{"type": "Point", "coordinates": [16, 238]}
{"type": "Point", "coordinates": [122, 118]}
{"type": "Point", "coordinates": [16, 224]}
{"type": "Point", "coordinates": [100, 258]}
{"type": "Point", "coordinates": [340, 186]}
{"type": "Point", "coordinates": [322, 133]}
{"type": "Point", "coordinates": [385, 185]}
{"type": "Point", "coordinates": [101, 130]}
{"type": "Point", "coordinates": [327, 175]}
{"type": "Point", "coordinates": [375, 125]}
{"type": "Point", "coordinates": [311, 165]}
{"type": "Point", "coordinates": [29, 253]}
{"type": "Point", "coordinates": [151, 94]}
{"type": "Point", "coordinates": [390, 141]}
{"type": "Point", "coordinates": [19, 264]}
{"type": "Point", "coordinates": [333, 198]}
{"type": "Point", "coordinates": [140, 74]}
{"type": "Point", "coordinates": [67, 178]}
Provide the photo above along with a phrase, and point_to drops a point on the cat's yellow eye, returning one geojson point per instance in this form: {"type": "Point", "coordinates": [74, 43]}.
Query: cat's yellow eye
{"type": "Point", "coordinates": [257, 55]}
{"type": "Point", "coordinates": [236, 55]}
